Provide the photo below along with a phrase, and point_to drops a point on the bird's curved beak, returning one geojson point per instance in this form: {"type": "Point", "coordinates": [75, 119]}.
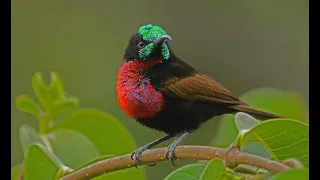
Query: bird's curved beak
{"type": "Point", "coordinates": [161, 39]}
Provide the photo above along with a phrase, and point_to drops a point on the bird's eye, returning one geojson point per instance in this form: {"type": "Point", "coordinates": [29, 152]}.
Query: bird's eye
{"type": "Point", "coordinates": [141, 44]}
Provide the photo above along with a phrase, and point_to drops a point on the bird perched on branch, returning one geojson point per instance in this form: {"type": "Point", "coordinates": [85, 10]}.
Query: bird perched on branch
{"type": "Point", "coordinates": [162, 92]}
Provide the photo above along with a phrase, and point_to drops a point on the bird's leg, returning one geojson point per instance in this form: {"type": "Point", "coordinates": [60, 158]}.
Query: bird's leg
{"type": "Point", "coordinates": [137, 154]}
{"type": "Point", "coordinates": [174, 144]}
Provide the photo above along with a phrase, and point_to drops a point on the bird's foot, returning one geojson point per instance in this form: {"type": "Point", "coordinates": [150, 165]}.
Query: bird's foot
{"type": "Point", "coordinates": [170, 152]}
{"type": "Point", "coordinates": [135, 156]}
{"type": "Point", "coordinates": [174, 144]}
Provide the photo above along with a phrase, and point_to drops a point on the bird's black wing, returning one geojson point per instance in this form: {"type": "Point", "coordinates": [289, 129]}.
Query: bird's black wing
{"type": "Point", "coordinates": [178, 79]}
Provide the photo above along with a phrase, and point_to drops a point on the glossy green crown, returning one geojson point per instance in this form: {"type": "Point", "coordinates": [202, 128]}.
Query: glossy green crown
{"type": "Point", "coordinates": [150, 32]}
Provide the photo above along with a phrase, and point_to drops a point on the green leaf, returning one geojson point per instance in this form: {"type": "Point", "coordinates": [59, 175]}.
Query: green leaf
{"type": "Point", "coordinates": [40, 164]}
{"type": "Point", "coordinates": [27, 104]}
{"type": "Point", "coordinates": [256, 148]}
{"type": "Point", "coordinates": [17, 171]}
{"type": "Point", "coordinates": [28, 136]}
{"type": "Point", "coordinates": [285, 103]}
{"type": "Point", "coordinates": [301, 174]}
{"type": "Point", "coordinates": [188, 172]}
{"type": "Point", "coordinates": [283, 139]}
{"type": "Point", "coordinates": [65, 105]}
{"type": "Point", "coordinates": [40, 90]}
{"type": "Point", "coordinates": [72, 148]}
{"type": "Point", "coordinates": [213, 170]}
{"type": "Point", "coordinates": [245, 121]}
{"type": "Point", "coordinates": [103, 130]}
{"type": "Point", "coordinates": [56, 87]}
{"type": "Point", "coordinates": [47, 95]}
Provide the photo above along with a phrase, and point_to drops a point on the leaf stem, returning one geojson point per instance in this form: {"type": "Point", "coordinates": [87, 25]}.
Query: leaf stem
{"type": "Point", "coordinates": [46, 142]}
{"type": "Point", "coordinates": [43, 125]}
{"type": "Point", "coordinates": [45, 121]}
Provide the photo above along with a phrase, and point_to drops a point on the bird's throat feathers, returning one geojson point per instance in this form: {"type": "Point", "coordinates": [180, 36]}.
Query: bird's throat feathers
{"type": "Point", "coordinates": [139, 66]}
{"type": "Point", "coordinates": [135, 94]}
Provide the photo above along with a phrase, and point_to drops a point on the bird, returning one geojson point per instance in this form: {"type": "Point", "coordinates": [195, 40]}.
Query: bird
{"type": "Point", "coordinates": [162, 92]}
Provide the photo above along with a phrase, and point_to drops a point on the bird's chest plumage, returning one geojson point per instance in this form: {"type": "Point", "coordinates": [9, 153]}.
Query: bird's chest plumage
{"type": "Point", "coordinates": [135, 94]}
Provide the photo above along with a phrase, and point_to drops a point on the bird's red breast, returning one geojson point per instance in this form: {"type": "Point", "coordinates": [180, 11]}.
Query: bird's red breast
{"type": "Point", "coordinates": [135, 94]}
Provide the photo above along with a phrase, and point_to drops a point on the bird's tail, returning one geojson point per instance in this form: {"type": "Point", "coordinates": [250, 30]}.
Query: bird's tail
{"type": "Point", "coordinates": [259, 114]}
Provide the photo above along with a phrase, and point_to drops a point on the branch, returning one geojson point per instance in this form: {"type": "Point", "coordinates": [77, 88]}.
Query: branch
{"type": "Point", "coordinates": [232, 156]}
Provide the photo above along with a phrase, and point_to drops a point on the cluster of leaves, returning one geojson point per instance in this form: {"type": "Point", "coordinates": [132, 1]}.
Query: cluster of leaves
{"type": "Point", "coordinates": [279, 139]}
{"type": "Point", "coordinates": [70, 137]}
{"type": "Point", "coordinates": [216, 170]}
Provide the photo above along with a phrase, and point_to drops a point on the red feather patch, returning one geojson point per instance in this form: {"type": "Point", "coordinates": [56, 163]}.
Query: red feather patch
{"type": "Point", "coordinates": [135, 94]}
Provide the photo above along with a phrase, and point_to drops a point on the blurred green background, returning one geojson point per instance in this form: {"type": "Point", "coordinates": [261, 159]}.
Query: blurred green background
{"type": "Point", "coordinates": [242, 44]}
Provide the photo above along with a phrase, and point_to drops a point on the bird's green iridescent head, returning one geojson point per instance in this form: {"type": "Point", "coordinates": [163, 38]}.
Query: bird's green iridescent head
{"type": "Point", "coordinates": [155, 36]}
{"type": "Point", "coordinates": [150, 32]}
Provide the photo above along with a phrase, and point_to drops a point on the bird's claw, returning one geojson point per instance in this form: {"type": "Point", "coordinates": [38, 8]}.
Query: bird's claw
{"type": "Point", "coordinates": [135, 156]}
{"type": "Point", "coordinates": [170, 153]}
{"type": "Point", "coordinates": [132, 154]}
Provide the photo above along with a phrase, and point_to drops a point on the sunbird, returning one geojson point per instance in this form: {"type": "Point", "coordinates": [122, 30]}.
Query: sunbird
{"type": "Point", "coordinates": [162, 92]}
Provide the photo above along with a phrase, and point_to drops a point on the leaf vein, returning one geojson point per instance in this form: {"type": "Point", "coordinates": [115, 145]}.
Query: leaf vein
{"type": "Point", "coordinates": [284, 132]}
{"type": "Point", "coordinates": [288, 146]}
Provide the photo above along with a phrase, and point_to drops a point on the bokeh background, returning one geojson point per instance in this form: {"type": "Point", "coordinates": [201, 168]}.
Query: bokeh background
{"type": "Point", "coordinates": [242, 44]}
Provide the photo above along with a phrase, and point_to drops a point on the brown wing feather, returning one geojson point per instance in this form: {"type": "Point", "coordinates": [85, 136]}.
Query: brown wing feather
{"type": "Point", "coordinates": [201, 87]}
